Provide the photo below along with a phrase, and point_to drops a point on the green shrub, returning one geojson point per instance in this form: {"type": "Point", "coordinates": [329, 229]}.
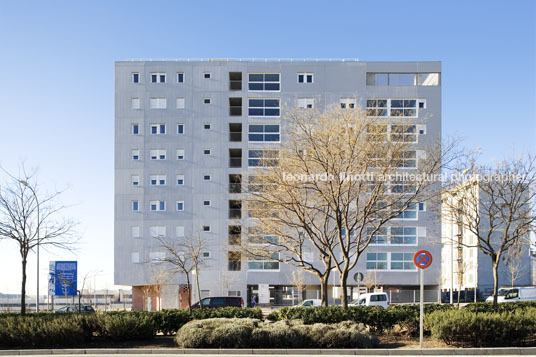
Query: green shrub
{"type": "Point", "coordinates": [252, 333]}
{"type": "Point", "coordinates": [466, 328]}
{"type": "Point", "coordinates": [407, 316]}
{"type": "Point", "coordinates": [502, 307]}
{"type": "Point", "coordinates": [122, 327]}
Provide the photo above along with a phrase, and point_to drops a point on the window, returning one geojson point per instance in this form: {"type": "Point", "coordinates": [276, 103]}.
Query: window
{"type": "Point", "coordinates": [235, 80]}
{"type": "Point", "coordinates": [180, 154]}
{"type": "Point", "coordinates": [157, 257]}
{"type": "Point", "coordinates": [180, 128]}
{"type": "Point", "coordinates": [263, 132]}
{"type": "Point", "coordinates": [403, 235]}
{"type": "Point", "coordinates": [158, 129]}
{"type": "Point", "coordinates": [404, 133]}
{"type": "Point", "coordinates": [402, 79]}
{"type": "Point", "coordinates": [207, 75]}
{"type": "Point", "coordinates": [408, 213]}
{"type": "Point", "coordinates": [135, 129]}
{"type": "Point", "coordinates": [157, 206]}
{"type": "Point", "coordinates": [180, 205]}
{"type": "Point", "coordinates": [135, 103]}
{"type": "Point", "coordinates": [180, 179]}
{"type": "Point", "coordinates": [206, 228]}
{"type": "Point", "coordinates": [234, 260]}
{"type": "Point", "coordinates": [257, 235]}
{"type": "Point", "coordinates": [206, 177]}
{"type": "Point", "coordinates": [135, 154]}
{"type": "Point", "coordinates": [180, 77]}
{"type": "Point", "coordinates": [403, 186]}
{"type": "Point", "coordinates": [158, 77]}
{"type": "Point", "coordinates": [206, 203]}
{"type": "Point", "coordinates": [135, 257]}
{"type": "Point", "coordinates": [264, 264]}
{"type": "Point", "coordinates": [179, 231]}
{"type": "Point", "coordinates": [263, 107]}
{"type": "Point", "coordinates": [403, 108]}
{"type": "Point", "coordinates": [376, 261]}
{"type": "Point", "coordinates": [263, 158]}
{"type": "Point", "coordinates": [206, 151]}
{"type": "Point", "coordinates": [157, 231]}
{"type": "Point", "coordinates": [377, 133]}
{"type": "Point", "coordinates": [135, 206]}
{"type": "Point", "coordinates": [264, 82]}
{"type": "Point", "coordinates": [205, 255]}
{"type": "Point", "coordinates": [135, 232]}
{"type": "Point", "coordinates": [380, 237]}
{"type": "Point", "coordinates": [206, 126]}
{"type": "Point", "coordinates": [234, 235]}
{"type": "Point", "coordinates": [158, 103]}
{"type": "Point", "coordinates": [305, 103]}
{"type": "Point", "coordinates": [407, 159]}
{"type": "Point", "coordinates": [157, 154]}
{"type": "Point", "coordinates": [206, 100]}
{"type": "Point", "coordinates": [135, 180]}
{"type": "Point", "coordinates": [180, 103]}
{"type": "Point", "coordinates": [235, 107]}
{"type": "Point", "coordinates": [402, 261]}
{"type": "Point", "coordinates": [135, 77]}
{"type": "Point", "coordinates": [305, 77]}
{"type": "Point", "coordinates": [158, 180]}
{"type": "Point", "coordinates": [347, 103]}
{"type": "Point", "coordinates": [233, 293]}
{"type": "Point", "coordinates": [377, 107]}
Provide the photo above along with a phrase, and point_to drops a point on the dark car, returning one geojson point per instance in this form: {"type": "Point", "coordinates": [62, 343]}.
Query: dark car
{"type": "Point", "coordinates": [220, 301]}
{"type": "Point", "coordinates": [72, 309]}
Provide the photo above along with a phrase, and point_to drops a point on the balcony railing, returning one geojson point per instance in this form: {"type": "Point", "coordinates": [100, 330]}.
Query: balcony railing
{"type": "Point", "coordinates": [235, 188]}
{"type": "Point", "coordinates": [235, 162]}
{"type": "Point", "coordinates": [235, 136]}
{"type": "Point", "coordinates": [235, 213]}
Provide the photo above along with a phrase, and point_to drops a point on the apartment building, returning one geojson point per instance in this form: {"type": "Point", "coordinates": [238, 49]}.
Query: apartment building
{"type": "Point", "coordinates": [187, 132]}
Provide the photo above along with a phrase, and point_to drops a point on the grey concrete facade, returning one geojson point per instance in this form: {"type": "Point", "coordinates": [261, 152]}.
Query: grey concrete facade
{"type": "Point", "coordinates": [331, 82]}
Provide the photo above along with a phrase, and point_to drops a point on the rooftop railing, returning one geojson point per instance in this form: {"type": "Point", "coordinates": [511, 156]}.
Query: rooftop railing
{"type": "Point", "coordinates": [243, 60]}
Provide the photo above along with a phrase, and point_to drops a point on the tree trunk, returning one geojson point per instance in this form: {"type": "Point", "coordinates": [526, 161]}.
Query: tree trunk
{"type": "Point", "coordinates": [189, 292]}
{"type": "Point", "coordinates": [324, 289]}
{"type": "Point", "coordinates": [198, 288]}
{"type": "Point", "coordinates": [344, 288]}
{"type": "Point", "coordinates": [23, 288]}
{"type": "Point", "coordinates": [495, 267]}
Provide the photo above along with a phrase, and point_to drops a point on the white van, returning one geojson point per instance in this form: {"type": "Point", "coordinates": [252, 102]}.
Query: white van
{"type": "Point", "coordinates": [310, 303]}
{"type": "Point", "coordinates": [515, 294]}
{"type": "Point", "coordinates": [372, 299]}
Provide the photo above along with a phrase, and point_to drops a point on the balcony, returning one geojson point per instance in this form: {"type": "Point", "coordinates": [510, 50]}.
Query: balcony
{"type": "Point", "coordinates": [235, 80]}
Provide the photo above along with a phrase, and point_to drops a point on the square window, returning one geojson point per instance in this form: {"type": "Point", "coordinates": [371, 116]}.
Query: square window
{"type": "Point", "coordinates": [158, 103]}
{"type": "Point", "coordinates": [180, 128]}
{"type": "Point", "coordinates": [135, 257]}
{"type": "Point", "coordinates": [135, 155]}
{"type": "Point", "coordinates": [206, 203]}
{"type": "Point", "coordinates": [206, 151]}
{"type": "Point", "coordinates": [180, 77]}
{"type": "Point", "coordinates": [206, 228]}
{"type": "Point", "coordinates": [135, 232]}
{"type": "Point", "coordinates": [305, 77]}
{"type": "Point", "coordinates": [180, 179]}
{"type": "Point", "coordinates": [135, 180]}
{"type": "Point", "coordinates": [180, 103]}
{"type": "Point", "coordinates": [158, 77]}
{"type": "Point", "coordinates": [135, 103]}
{"type": "Point", "coordinates": [206, 126]}
{"type": "Point", "coordinates": [135, 129]}
{"type": "Point", "coordinates": [180, 154]}
{"type": "Point", "coordinates": [301, 78]}
{"type": "Point", "coordinates": [135, 77]}
{"type": "Point", "coordinates": [206, 177]}
{"type": "Point", "coordinates": [179, 231]}
{"type": "Point", "coordinates": [180, 205]}
{"type": "Point", "coordinates": [207, 75]}
{"type": "Point", "coordinates": [206, 254]}
{"type": "Point", "coordinates": [206, 100]}
{"type": "Point", "coordinates": [135, 206]}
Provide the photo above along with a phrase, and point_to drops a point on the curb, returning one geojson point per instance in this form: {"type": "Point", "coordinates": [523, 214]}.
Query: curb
{"type": "Point", "coordinates": [526, 351]}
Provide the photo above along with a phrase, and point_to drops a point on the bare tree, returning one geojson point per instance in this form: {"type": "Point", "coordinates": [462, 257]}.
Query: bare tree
{"type": "Point", "coordinates": [514, 262]}
{"type": "Point", "coordinates": [32, 218]}
{"type": "Point", "coordinates": [335, 183]}
{"type": "Point", "coordinates": [185, 256]}
{"type": "Point", "coordinates": [370, 280]}
{"type": "Point", "coordinates": [495, 204]}
{"type": "Point", "coordinates": [297, 278]}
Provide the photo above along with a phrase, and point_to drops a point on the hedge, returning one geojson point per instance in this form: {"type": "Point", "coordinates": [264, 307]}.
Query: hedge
{"type": "Point", "coordinates": [502, 307]}
{"type": "Point", "coordinates": [469, 329]}
{"type": "Point", "coordinates": [253, 333]}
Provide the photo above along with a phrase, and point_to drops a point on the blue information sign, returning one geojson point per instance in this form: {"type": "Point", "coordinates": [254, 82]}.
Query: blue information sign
{"type": "Point", "coordinates": [63, 278]}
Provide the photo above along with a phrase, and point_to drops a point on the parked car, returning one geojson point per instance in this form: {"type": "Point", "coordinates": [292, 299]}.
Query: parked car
{"type": "Point", "coordinates": [515, 294]}
{"type": "Point", "coordinates": [372, 299]}
{"type": "Point", "coordinates": [73, 309]}
{"type": "Point", "coordinates": [219, 301]}
{"type": "Point", "coordinates": [310, 303]}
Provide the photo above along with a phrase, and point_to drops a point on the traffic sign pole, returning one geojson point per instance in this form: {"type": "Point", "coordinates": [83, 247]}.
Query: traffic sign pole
{"type": "Point", "coordinates": [421, 314]}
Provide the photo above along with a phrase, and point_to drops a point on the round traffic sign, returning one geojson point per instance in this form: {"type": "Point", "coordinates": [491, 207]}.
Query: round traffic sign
{"type": "Point", "coordinates": [358, 277]}
{"type": "Point", "coordinates": [422, 259]}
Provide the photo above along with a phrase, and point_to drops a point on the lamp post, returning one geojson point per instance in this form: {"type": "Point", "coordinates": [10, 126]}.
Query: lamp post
{"type": "Point", "coordinates": [25, 184]}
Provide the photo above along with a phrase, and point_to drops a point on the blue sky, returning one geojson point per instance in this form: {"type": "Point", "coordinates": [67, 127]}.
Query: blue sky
{"type": "Point", "coordinates": [56, 79]}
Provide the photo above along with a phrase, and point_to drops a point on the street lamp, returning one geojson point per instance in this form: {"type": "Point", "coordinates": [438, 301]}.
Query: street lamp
{"type": "Point", "coordinates": [25, 184]}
